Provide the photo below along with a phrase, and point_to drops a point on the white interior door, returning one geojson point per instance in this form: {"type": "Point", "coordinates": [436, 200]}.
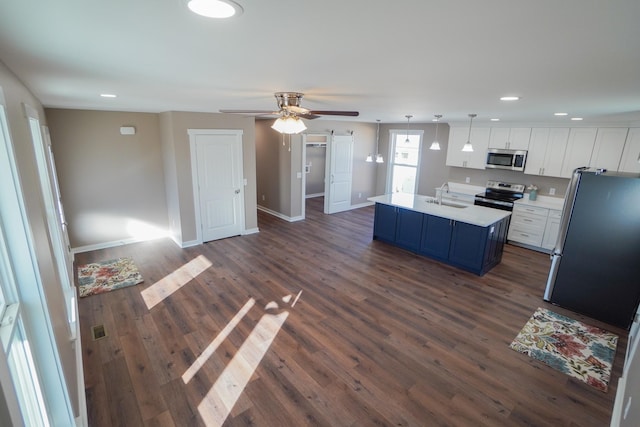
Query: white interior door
{"type": "Point", "coordinates": [220, 195]}
{"type": "Point", "coordinates": [340, 171]}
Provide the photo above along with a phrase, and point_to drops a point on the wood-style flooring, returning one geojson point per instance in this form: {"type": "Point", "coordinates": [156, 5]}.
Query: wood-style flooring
{"type": "Point", "coordinates": [314, 323]}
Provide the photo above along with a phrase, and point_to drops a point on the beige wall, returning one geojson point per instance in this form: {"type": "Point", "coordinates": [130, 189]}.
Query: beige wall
{"type": "Point", "coordinates": [176, 142]}
{"type": "Point", "coordinates": [278, 167]}
{"type": "Point", "coordinates": [15, 94]}
{"type": "Point", "coordinates": [112, 185]}
{"type": "Point", "coordinates": [433, 169]}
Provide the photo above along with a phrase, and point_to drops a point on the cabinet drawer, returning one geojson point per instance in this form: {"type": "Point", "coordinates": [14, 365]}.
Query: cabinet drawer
{"type": "Point", "coordinates": [529, 221]}
{"type": "Point", "coordinates": [525, 235]}
{"type": "Point", "coordinates": [530, 210]}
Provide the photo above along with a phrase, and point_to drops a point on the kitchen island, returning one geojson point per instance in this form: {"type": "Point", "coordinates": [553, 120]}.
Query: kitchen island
{"type": "Point", "coordinates": [466, 236]}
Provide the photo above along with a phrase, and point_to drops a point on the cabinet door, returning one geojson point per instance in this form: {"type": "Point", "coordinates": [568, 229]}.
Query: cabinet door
{"type": "Point", "coordinates": [537, 151]}
{"type": "Point", "coordinates": [408, 229]}
{"type": "Point", "coordinates": [467, 245]}
{"type": "Point", "coordinates": [630, 161]}
{"type": "Point", "coordinates": [556, 148]}
{"type": "Point", "coordinates": [499, 138]}
{"type": "Point", "coordinates": [519, 138]}
{"type": "Point", "coordinates": [608, 147]}
{"type": "Point", "coordinates": [552, 229]}
{"type": "Point", "coordinates": [436, 236]}
{"type": "Point", "coordinates": [457, 138]}
{"type": "Point", "coordinates": [480, 142]}
{"type": "Point", "coordinates": [579, 149]}
{"type": "Point", "coordinates": [384, 226]}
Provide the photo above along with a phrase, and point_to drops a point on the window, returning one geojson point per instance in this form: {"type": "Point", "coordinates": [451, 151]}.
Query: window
{"type": "Point", "coordinates": [404, 161]}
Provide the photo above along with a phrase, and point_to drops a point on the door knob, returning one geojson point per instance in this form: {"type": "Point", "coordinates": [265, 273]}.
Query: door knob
{"type": "Point", "coordinates": [238, 191]}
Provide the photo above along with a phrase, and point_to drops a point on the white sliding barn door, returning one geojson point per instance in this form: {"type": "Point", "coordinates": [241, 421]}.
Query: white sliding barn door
{"type": "Point", "coordinates": [218, 183]}
{"type": "Point", "coordinates": [339, 174]}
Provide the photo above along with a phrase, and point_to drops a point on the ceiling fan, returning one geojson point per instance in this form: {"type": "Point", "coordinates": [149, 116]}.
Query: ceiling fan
{"type": "Point", "coordinates": [290, 111]}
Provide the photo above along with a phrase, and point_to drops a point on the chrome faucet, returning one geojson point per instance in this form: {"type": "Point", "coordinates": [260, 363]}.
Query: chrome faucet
{"type": "Point", "coordinates": [442, 187]}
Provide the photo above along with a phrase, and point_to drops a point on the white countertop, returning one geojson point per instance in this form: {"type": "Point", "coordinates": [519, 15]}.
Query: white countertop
{"type": "Point", "coordinates": [475, 215]}
{"type": "Point", "coordinates": [543, 202]}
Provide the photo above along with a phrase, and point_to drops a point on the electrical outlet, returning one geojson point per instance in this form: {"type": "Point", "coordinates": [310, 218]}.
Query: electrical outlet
{"type": "Point", "coordinates": [359, 195]}
{"type": "Point", "coordinates": [552, 191]}
{"type": "Point", "coordinates": [467, 180]}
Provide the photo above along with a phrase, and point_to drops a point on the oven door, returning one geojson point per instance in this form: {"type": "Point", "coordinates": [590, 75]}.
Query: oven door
{"type": "Point", "coordinates": [493, 203]}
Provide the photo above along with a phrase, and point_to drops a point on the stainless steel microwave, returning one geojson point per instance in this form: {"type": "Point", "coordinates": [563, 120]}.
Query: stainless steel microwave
{"type": "Point", "coordinates": [498, 158]}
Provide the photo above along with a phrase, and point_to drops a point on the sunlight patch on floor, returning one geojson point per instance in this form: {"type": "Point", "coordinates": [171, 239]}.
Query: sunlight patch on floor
{"type": "Point", "coordinates": [165, 287]}
{"type": "Point", "coordinates": [216, 406]}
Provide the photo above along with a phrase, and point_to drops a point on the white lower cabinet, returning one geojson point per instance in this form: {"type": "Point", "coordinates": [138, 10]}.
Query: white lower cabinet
{"type": "Point", "coordinates": [534, 226]}
{"type": "Point", "coordinates": [552, 229]}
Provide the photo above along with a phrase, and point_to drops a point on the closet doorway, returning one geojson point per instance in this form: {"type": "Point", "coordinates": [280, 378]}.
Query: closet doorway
{"type": "Point", "coordinates": [314, 160]}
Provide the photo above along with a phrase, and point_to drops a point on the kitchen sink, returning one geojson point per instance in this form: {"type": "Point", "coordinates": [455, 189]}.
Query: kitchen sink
{"type": "Point", "coordinates": [434, 201]}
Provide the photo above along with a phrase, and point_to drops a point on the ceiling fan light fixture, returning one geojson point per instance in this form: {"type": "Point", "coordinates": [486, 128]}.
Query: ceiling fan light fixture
{"type": "Point", "coordinates": [289, 125]}
{"type": "Point", "coordinates": [215, 8]}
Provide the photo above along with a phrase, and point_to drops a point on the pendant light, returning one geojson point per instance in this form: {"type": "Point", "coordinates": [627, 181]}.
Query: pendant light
{"type": "Point", "coordinates": [379, 158]}
{"type": "Point", "coordinates": [468, 147]}
{"type": "Point", "coordinates": [435, 145]}
{"type": "Point", "coordinates": [408, 116]}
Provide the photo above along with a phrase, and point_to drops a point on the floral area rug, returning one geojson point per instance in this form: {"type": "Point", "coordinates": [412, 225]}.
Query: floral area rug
{"type": "Point", "coordinates": [105, 276]}
{"type": "Point", "coordinates": [572, 347]}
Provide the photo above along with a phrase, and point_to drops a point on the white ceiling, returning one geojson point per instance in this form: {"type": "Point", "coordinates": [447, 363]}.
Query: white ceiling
{"type": "Point", "coordinates": [384, 59]}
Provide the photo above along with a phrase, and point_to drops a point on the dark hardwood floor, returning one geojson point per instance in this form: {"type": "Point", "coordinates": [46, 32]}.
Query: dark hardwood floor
{"type": "Point", "coordinates": [363, 334]}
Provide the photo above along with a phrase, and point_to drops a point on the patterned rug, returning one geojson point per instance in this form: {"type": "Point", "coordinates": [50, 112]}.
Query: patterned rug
{"type": "Point", "coordinates": [572, 347]}
{"type": "Point", "coordinates": [105, 276]}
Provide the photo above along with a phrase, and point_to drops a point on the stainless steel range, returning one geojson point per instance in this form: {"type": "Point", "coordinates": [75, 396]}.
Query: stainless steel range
{"type": "Point", "coordinates": [500, 195]}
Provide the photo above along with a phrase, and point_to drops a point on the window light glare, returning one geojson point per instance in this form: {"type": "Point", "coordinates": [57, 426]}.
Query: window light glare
{"type": "Point", "coordinates": [214, 8]}
{"type": "Point", "coordinates": [510, 98]}
{"type": "Point", "coordinates": [107, 95]}
{"type": "Point", "coordinates": [576, 119]}
{"type": "Point", "coordinates": [560, 114]}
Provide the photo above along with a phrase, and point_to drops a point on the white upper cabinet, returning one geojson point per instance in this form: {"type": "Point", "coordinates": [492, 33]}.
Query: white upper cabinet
{"type": "Point", "coordinates": [607, 149]}
{"type": "Point", "coordinates": [546, 151]}
{"type": "Point", "coordinates": [630, 161]}
{"type": "Point", "coordinates": [579, 148]}
{"type": "Point", "coordinates": [511, 138]}
{"type": "Point", "coordinates": [479, 140]}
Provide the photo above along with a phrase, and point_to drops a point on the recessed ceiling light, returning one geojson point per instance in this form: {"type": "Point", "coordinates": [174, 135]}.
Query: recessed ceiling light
{"type": "Point", "coordinates": [510, 98]}
{"type": "Point", "coordinates": [107, 95]}
{"type": "Point", "coordinates": [560, 114]}
{"type": "Point", "coordinates": [495, 120]}
{"type": "Point", "coordinates": [576, 118]}
{"type": "Point", "coordinates": [215, 8]}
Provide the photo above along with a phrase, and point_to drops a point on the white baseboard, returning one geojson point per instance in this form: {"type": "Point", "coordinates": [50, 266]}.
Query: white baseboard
{"type": "Point", "coordinates": [105, 245]}
{"type": "Point", "coordinates": [362, 205]}
{"type": "Point", "coordinates": [250, 231]}
{"type": "Point", "coordinates": [279, 215]}
{"type": "Point", "coordinates": [189, 244]}
{"type": "Point", "coordinates": [311, 196]}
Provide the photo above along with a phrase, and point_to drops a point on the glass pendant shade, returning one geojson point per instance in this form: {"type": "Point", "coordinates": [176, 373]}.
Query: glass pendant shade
{"type": "Point", "coordinates": [379, 158]}
{"type": "Point", "coordinates": [289, 125]}
{"type": "Point", "coordinates": [435, 145]}
{"type": "Point", "coordinates": [369, 158]}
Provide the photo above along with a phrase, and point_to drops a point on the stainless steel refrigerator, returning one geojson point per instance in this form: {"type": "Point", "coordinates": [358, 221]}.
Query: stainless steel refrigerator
{"type": "Point", "coordinates": [595, 267]}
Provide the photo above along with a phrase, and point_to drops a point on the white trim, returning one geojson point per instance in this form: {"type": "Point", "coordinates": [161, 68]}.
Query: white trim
{"type": "Point", "coordinates": [250, 231]}
{"type": "Point", "coordinates": [194, 174]}
{"type": "Point", "coordinates": [114, 243]}
{"type": "Point", "coordinates": [189, 244]}
{"type": "Point", "coordinates": [362, 205]}
{"type": "Point", "coordinates": [311, 196]}
{"type": "Point", "coordinates": [279, 215]}
{"type": "Point", "coordinates": [391, 155]}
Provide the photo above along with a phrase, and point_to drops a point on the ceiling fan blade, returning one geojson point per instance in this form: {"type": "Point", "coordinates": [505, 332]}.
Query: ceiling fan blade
{"type": "Point", "coordinates": [335, 113]}
{"type": "Point", "coordinates": [308, 116]}
{"type": "Point", "coordinates": [296, 109]}
{"type": "Point", "coordinates": [267, 112]}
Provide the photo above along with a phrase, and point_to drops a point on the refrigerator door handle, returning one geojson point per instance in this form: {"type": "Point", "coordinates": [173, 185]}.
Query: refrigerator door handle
{"type": "Point", "coordinates": [553, 271]}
